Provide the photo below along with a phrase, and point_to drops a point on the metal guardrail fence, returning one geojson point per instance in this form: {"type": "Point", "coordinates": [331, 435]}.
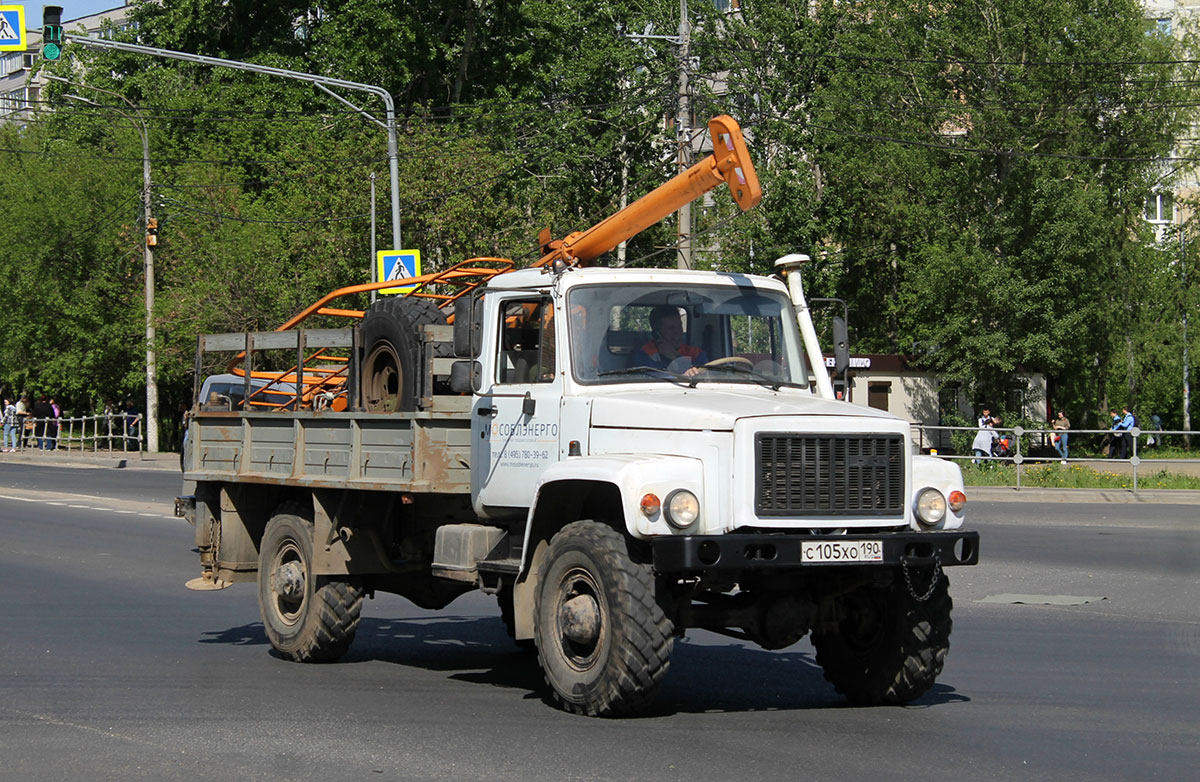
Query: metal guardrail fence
{"type": "Point", "coordinates": [91, 433]}
{"type": "Point", "coordinates": [939, 438]}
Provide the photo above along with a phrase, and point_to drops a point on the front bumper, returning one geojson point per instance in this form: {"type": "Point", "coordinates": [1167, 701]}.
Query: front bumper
{"type": "Point", "coordinates": [771, 551]}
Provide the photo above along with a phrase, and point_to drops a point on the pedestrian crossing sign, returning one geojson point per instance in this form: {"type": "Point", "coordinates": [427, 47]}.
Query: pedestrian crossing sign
{"type": "Point", "coordinates": [12, 28]}
{"type": "Point", "coordinates": [397, 265]}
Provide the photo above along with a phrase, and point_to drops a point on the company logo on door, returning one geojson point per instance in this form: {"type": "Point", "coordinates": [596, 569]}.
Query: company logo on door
{"type": "Point", "coordinates": [525, 430]}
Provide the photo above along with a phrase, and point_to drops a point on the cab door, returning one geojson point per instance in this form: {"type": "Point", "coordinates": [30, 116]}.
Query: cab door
{"type": "Point", "coordinates": [515, 421]}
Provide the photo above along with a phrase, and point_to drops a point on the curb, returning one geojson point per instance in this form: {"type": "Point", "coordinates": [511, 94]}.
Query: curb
{"type": "Point", "coordinates": [1143, 496]}
{"type": "Point", "coordinates": [132, 460]}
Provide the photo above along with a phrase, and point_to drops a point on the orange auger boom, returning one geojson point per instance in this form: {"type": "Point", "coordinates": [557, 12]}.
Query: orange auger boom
{"type": "Point", "coordinates": [729, 163]}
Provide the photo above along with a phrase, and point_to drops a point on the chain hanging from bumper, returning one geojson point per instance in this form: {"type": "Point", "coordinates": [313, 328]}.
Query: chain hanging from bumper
{"type": "Point", "coordinates": [937, 572]}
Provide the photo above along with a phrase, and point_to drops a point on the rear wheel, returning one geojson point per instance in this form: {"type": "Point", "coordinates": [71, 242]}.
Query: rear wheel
{"type": "Point", "coordinates": [603, 641]}
{"type": "Point", "coordinates": [307, 618]}
{"type": "Point", "coordinates": [889, 647]}
{"type": "Point", "coordinates": [391, 338]}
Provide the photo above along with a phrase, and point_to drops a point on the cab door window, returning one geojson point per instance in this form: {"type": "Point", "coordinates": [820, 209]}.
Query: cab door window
{"type": "Point", "coordinates": [526, 342]}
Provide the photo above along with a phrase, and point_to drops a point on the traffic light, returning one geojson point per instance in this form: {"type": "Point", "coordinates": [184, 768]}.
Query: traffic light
{"type": "Point", "coordinates": [152, 232]}
{"type": "Point", "coordinates": [52, 32]}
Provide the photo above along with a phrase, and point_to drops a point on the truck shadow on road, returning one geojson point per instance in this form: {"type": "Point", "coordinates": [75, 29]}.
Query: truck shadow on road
{"type": "Point", "coordinates": [708, 674]}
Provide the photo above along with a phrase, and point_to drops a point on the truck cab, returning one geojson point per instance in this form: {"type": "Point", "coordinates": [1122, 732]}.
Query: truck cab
{"type": "Point", "coordinates": [569, 385]}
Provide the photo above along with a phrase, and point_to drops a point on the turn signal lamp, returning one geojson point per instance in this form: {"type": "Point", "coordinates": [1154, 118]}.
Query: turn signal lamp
{"type": "Point", "coordinates": [958, 500]}
{"type": "Point", "coordinates": [651, 505]}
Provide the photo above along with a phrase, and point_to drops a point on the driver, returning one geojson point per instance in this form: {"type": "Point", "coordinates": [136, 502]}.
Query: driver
{"type": "Point", "coordinates": [668, 350]}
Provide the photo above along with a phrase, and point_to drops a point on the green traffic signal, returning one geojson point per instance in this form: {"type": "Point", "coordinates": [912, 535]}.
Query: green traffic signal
{"type": "Point", "coordinates": [52, 39]}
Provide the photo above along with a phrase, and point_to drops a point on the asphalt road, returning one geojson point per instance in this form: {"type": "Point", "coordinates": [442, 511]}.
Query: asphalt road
{"type": "Point", "coordinates": [112, 670]}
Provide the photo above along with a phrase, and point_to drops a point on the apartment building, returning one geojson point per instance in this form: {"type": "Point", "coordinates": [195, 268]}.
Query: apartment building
{"type": "Point", "coordinates": [1165, 209]}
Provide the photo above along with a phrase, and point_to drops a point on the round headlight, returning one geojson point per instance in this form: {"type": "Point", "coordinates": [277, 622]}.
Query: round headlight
{"type": "Point", "coordinates": [931, 507]}
{"type": "Point", "coordinates": [681, 508]}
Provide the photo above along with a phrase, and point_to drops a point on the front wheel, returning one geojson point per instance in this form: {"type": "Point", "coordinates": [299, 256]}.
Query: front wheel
{"type": "Point", "coordinates": [307, 618]}
{"type": "Point", "coordinates": [889, 647]}
{"type": "Point", "coordinates": [603, 641]}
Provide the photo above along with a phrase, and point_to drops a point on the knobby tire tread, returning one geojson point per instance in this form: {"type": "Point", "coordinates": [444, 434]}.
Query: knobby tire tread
{"type": "Point", "coordinates": [902, 666]}
{"type": "Point", "coordinates": [640, 655]}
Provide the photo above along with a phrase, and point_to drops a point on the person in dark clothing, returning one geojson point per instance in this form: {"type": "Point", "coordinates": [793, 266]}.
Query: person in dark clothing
{"type": "Point", "coordinates": [42, 414]}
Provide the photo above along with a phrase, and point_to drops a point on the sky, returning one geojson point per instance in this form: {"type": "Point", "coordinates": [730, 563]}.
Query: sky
{"type": "Point", "coordinates": [72, 9]}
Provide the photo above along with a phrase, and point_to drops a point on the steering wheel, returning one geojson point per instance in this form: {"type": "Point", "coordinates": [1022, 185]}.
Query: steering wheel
{"type": "Point", "coordinates": [716, 362]}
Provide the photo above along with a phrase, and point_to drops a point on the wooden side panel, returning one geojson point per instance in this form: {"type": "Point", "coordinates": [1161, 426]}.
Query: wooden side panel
{"type": "Point", "coordinates": [385, 455]}
{"type": "Point", "coordinates": [272, 446]}
{"type": "Point", "coordinates": [326, 444]}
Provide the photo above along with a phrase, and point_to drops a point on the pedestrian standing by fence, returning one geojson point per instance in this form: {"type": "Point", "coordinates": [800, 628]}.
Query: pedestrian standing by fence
{"type": "Point", "coordinates": [11, 422]}
{"type": "Point", "coordinates": [132, 420]}
{"type": "Point", "coordinates": [982, 446]}
{"type": "Point", "coordinates": [1122, 439]}
{"type": "Point", "coordinates": [24, 425]}
{"type": "Point", "coordinates": [42, 413]}
{"type": "Point", "coordinates": [54, 424]}
{"type": "Point", "coordinates": [1061, 425]}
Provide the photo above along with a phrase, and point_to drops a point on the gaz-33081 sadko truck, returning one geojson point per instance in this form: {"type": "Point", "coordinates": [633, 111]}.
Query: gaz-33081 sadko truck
{"type": "Point", "coordinates": [519, 435]}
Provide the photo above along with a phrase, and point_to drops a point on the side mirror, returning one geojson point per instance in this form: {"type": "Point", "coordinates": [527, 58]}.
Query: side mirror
{"type": "Point", "coordinates": [465, 377]}
{"type": "Point", "coordinates": [468, 326]}
{"type": "Point", "coordinates": [841, 347]}
{"type": "Point", "coordinates": [463, 311]}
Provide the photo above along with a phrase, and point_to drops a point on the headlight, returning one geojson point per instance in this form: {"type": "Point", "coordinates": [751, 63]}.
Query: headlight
{"type": "Point", "coordinates": [682, 508]}
{"type": "Point", "coordinates": [931, 507]}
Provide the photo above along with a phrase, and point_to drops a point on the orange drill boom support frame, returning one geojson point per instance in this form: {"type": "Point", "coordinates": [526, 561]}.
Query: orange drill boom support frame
{"type": "Point", "coordinates": [729, 163]}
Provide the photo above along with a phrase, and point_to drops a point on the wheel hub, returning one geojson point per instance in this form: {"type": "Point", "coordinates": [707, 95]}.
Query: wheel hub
{"type": "Point", "coordinates": [289, 581]}
{"type": "Point", "coordinates": [579, 619]}
{"type": "Point", "coordinates": [383, 380]}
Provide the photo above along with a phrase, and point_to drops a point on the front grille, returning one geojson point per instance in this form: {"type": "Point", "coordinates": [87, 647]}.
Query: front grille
{"type": "Point", "coordinates": [829, 475]}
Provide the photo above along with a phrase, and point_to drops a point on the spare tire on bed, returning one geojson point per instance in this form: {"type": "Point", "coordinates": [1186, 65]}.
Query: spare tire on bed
{"type": "Point", "coordinates": [391, 339]}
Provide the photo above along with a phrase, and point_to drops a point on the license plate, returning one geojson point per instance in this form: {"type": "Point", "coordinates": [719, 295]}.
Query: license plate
{"type": "Point", "coordinates": [841, 551]}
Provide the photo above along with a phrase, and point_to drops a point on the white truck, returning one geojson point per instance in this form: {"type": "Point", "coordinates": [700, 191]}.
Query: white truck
{"type": "Point", "coordinates": [612, 484]}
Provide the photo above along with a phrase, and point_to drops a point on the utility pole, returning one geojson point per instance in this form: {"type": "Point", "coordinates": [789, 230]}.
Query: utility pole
{"type": "Point", "coordinates": [683, 123]}
{"type": "Point", "coordinates": [683, 129]}
{"type": "Point", "coordinates": [1187, 389]}
{"type": "Point", "coordinates": [148, 242]}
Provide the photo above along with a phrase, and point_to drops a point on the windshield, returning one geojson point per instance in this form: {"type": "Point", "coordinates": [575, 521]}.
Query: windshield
{"type": "Point", "coordinates": [663, 333]}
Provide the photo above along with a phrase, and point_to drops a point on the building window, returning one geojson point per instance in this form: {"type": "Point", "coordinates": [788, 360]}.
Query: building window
{"type": "Point", "coordinates": [1160, 208]}
{"type": "Point", "coordinates": [1162, 26]}
{"type": "Point", "coordinates": [14, 101]}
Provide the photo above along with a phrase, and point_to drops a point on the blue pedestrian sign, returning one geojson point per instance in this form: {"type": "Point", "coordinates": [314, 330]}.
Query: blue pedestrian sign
{"type": "Point", "coordinates": [12, 28]}
{"type": "Point", "coordinates": [397, 265]}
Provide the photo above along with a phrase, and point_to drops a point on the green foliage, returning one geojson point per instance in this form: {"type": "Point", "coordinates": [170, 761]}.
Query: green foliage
{"type": "Point", "coordinates": [971, 175]}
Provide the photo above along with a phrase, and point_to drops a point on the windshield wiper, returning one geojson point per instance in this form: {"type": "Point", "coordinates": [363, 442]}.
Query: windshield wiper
{"type": "Point", "coordinates": [763, 380]}
{"type": "Point", "coordinates": [690, 382]}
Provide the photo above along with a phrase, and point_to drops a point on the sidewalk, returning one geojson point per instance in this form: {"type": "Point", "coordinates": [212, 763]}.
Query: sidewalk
{"type": "Point", "coordinates": [131, 460]}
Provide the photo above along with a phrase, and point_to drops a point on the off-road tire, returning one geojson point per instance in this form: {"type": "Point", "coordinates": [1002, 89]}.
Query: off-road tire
{"type": "Point", "coordinates": [391, 338]}
{"type": "Point", "coordinates": [890, 647]}
{"type": "Point", "coordinates": [318, 623]}
{"type": "Point", "coordinates": [620, 670]}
